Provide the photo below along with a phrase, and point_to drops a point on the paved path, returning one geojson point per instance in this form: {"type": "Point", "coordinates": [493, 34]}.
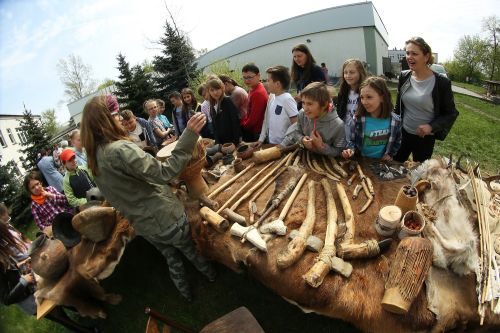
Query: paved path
{"type": "Point", "coordinates": [466, 92]}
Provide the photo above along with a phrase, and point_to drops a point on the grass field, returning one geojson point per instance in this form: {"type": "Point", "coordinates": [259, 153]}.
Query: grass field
{"type": "Point", "coordinates": [142, 275]}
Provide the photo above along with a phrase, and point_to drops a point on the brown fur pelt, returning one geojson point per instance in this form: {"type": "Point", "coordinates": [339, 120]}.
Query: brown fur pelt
{"type": "Point", "coordinates": [88, 263]}
{"type": "Point", "coordinates": [356, 299]}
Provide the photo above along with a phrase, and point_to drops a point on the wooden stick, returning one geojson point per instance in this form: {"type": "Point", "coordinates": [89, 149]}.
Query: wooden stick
{"type": "Point", "coordinates": [288, 256]}
{"type": "Point", "coordinates": [230, 181]}
{"type": "Point", "coordinates": [256, 186]}
{"type": "Point", "coordinates": [292, 183]}
{"type": "Point", "coordinates": [206, 201]}
{"type": "Point", "coordinates": [292, 197]}
{"type": "Point", "coordinates": [258, 193]}
{"type": "Point", "coordinates": [348, 215]}
{"type": "Point", "coordinates": [291, 157]}
{"type": "Point", "coordinates": [244, 187]}
{"type": "Point", "coordinates": [234, 217]}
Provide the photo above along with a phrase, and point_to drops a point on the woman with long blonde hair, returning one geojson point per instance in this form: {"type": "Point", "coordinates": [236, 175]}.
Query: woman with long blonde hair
{"type": "Point", "coordinates": [135, 183]}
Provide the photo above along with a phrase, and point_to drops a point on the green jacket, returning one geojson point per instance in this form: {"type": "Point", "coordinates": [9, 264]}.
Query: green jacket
{"type": "Point", "coordinates": [134, 182]}
{"type": "Point", "coordinates": [68, 190]}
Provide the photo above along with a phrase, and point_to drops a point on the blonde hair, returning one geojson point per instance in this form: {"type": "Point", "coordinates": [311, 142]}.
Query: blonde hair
{"type": "Point", "coordinates": [98, 128]}
{"type": "Point", "coordinates": [73, 134]}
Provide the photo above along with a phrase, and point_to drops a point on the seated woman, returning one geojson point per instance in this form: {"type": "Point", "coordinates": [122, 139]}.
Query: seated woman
{"type": "Point", "coordinates": [47, 202]}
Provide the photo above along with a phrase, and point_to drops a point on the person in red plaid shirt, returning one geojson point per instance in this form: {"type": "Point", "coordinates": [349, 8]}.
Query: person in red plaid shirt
{"type": "Point", "coordinates": [46, 203]}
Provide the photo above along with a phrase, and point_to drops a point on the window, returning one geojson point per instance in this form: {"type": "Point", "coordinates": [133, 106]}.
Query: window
{"type": "Point", "coordinates": [22, 136]}
{"type": "Point", "coordinates": [11, 136]}
{"type": "Point", "coordinates": [2, 140]}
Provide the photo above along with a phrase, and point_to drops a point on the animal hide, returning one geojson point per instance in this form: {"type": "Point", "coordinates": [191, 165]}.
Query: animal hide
{"type": "Point", "coordinates": [88, 263]}
{"type": "Point", "coordinates": [454, 240]}
{"type": "Point", "coordinates": [356, 299]}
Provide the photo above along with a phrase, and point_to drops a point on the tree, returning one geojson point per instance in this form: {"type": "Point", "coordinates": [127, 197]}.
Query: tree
{"type": "Point", "coordinates": [176, 66]}
{"type": "Point", "coordinates": [49, 122]}
{"type": "Point", "coordinates": [9, 182]}
{"type": "Point", "coordinates": [124, 86]}
{"type": "Point", "coordinates": [491, 25]}
{"type": "Point", "coordinates": [76, 77]}
{"type": "Point", "coordinates": [36, 139]}
{"type": "Point", "coordinates": [455, 70]}
{"type": "Point", "coordinates": [134, 87]}
{"type": "Point", "coordinates": [470, 54]}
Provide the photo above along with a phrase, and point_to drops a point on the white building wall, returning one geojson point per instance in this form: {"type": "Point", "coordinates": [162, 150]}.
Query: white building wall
{"type": "Point", "coordinates": [381, 52]}
{"type": "Point", "coordinates": [330, 47]}
{"type": "Point", "coordinates": [11, 139]}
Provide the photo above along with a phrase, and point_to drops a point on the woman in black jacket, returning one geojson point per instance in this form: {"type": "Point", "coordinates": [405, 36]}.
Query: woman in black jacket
{"type": "Point", "coordinates": [304, 70]}
{"type": "Point", "coordinates": [225, 115]}
{"type": "Point", "coordinates": [425, 104]}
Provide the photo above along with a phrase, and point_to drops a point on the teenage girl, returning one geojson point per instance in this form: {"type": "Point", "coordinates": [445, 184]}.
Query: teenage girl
{"type": "Point", "coordinates": [189, 103]}
{"type": "Point", "coordinates": [225, 115]}
{"type": "Point", "coordinates": [376, 131]}
{"type": "Point", "coordinates": [353, 73]}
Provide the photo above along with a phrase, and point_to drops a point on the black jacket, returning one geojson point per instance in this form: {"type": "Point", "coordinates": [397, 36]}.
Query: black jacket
{"type": "Point", "coordinates": [442, 97]}
{"type": "Point", "coordinates": [226, 122]}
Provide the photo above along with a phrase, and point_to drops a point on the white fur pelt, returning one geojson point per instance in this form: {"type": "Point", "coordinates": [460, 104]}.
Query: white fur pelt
{"type": "Point", "coordinates": [451, 234]}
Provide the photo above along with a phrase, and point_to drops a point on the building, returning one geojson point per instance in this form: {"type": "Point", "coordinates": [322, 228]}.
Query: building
{"type": "Point", "coordinates": [76, 108]}
{"type": "Point", "coordinates": [11, 139]}
{"type": "Point", "coordinates": [333, 35]}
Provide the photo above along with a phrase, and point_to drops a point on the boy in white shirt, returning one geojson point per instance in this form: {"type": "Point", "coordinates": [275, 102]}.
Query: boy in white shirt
{"type": "Point", "coordinates": [281, 111]}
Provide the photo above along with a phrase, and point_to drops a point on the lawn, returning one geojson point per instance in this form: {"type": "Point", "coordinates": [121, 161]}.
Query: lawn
{"type": "Point", "coordinates": [478, 89]}
{"type": "Point", "coordinates": [142, 275]}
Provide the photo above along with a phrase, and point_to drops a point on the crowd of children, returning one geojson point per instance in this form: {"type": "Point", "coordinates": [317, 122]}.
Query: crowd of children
{"type": "Point", "coordinates": [115, 148]}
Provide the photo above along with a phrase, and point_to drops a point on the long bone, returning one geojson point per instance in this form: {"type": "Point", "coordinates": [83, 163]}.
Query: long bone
{"type": "Point", "coordinates": [327, 259]}
{"type": "Point", "coordinates": [289, 255]}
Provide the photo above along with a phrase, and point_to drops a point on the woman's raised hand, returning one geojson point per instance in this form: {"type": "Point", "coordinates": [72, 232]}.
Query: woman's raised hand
{"type": "Point", "coordinates": [196, 122]}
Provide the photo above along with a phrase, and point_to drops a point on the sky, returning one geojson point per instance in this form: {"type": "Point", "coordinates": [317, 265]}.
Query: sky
{"type": "Point", "coordinates": [35, 34]}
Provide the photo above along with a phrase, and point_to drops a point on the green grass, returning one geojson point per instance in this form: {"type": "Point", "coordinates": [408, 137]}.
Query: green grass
{"type": "Point", "coordinates": [474, 134]}
{"type": "Point", "coordinates": [472, 87]}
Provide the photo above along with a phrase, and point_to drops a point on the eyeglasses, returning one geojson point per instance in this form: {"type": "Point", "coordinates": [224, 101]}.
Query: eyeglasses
{"type": "Point", "coordinates": [246, 78]}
